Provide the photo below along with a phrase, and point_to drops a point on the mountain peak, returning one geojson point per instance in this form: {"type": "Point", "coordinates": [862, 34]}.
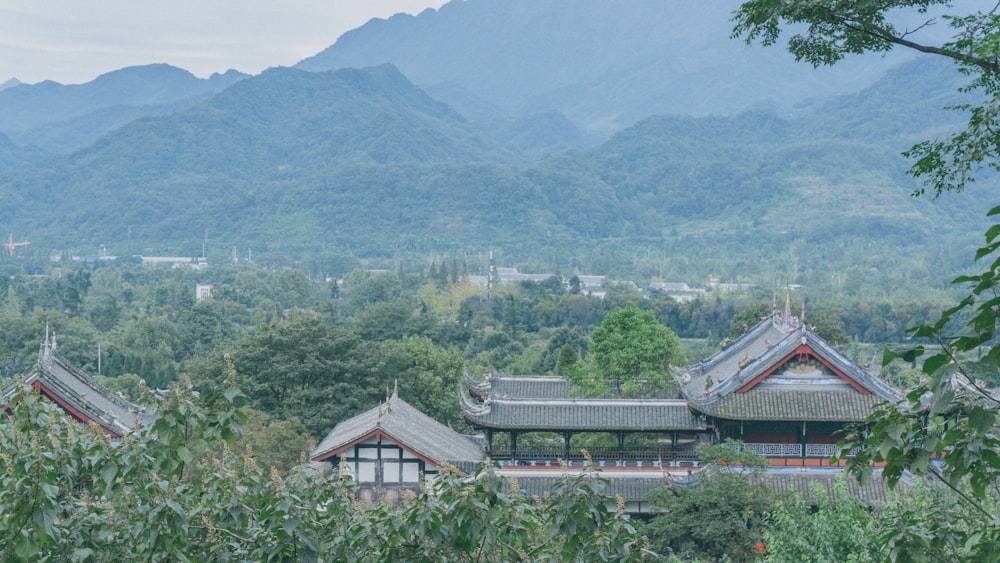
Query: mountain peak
{"type": "Point", "coordinates": [10, 84]}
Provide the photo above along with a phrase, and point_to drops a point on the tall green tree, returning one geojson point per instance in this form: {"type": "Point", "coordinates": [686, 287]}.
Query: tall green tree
{"type": "Point", "coordinates": [300, 367]}
{"type": "Point", "coordinates": [632, 352]}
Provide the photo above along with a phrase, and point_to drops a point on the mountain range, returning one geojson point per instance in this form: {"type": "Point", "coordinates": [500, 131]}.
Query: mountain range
{"type": "Point", "coordinates": [365, 162]}
{"type": "Point", "coordinates": [604, 65]}
{"type": "Point", "coordinates": [61, 118]}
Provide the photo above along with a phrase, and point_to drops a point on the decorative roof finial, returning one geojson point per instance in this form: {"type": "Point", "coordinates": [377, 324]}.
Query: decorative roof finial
{"type": "Point", "coordinates": [47, 349]}
{"type": "Point", "coordinates": [787, 317]}
{"type": "Point", "coordinates": [802, 316]}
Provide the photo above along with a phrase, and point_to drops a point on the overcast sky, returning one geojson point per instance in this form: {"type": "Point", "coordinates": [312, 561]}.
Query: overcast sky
{"type": "Point", "coordinates": [74, 41]}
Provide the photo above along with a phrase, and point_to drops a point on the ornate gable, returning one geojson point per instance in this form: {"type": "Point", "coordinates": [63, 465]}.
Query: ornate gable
{"type": "Point", "coordinates": [798, 377]}
{"type": "Point", "coordinates": [806, 369]}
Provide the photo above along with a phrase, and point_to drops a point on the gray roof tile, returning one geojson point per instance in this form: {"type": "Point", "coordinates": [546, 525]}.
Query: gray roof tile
{"type": "Point", "coordinates": [82, 393]}
{"type": "Point", "coordinates": [793, 405]}
{"type": "Point", "coordinates": [583, 414]}
{"type": "Point", "coordinates": [410, 427]}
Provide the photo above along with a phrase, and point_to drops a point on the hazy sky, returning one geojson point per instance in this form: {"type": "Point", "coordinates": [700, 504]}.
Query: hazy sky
{"type": "Point", "coordinates": [74, 41]}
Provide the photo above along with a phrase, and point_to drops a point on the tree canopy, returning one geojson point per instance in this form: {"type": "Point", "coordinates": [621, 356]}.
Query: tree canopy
{"type": "Point", "coordinates": [632, 351]}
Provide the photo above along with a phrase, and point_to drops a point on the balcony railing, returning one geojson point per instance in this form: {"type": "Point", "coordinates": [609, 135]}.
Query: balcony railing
{"type": "Point", "coordinates": [795, 450]}
{"type": "Point", "coordinates": [601, 457]}
{"type": "Point", "coordinates": [776, 450]}
{"type": "Point", "coordinates": [821, 450]}
{"type": "Point", "coordinates": [646, 457]}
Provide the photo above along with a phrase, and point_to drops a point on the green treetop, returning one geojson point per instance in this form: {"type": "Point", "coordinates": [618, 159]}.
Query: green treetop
{"type": "Point", "coordinates": [632, 351]}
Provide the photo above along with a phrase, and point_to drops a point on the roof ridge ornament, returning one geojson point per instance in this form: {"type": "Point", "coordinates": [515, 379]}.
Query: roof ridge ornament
{"type": "Point", "coordinates": [47, 349]}
{"type": "Point", "coordinates": [787, 317]}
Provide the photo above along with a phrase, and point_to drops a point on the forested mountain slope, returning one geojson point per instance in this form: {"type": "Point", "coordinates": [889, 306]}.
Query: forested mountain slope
{"type": "Point", "coordinates": [363, 163]}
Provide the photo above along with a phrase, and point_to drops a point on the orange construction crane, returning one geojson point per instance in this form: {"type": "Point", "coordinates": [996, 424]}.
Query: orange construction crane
{"type": "Point", "coordinates": [10, 245]}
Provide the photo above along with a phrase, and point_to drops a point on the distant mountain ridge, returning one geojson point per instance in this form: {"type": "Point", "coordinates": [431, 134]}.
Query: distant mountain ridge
{"type": "Point", "coordinates": [604, 65]}
{"type": "Point", "coordinates": [60, 117]}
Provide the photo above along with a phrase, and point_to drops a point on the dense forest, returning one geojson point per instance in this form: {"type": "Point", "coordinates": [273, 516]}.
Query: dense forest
{"type": "Point", "coordinates": [284, 358]}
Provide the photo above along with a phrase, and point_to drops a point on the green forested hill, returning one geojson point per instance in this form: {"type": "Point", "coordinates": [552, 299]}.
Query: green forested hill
{"type": "Point", "coordinates": [14, 156]}
{"type": "Point", "coordinates": [361, 162]}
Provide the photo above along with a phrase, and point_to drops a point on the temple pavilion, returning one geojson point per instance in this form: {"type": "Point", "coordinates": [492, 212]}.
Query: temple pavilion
{"type": "Point", "coordinates": [392, 448]}
{"type": "Point", "coordinates": [779, 388]}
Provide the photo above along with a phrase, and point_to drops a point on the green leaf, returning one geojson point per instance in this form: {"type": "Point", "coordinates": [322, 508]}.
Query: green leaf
{"type": "Point", "coordinates": [981, 420]}
{"type": "Point", "coordinates": [935, 362]}
{"type": "Point", "coordinates": [26, 547]}
{"type": "Point", "coordinates": [289, 524]}
{"type": "Point", "coordinates": [81, 554]}
{"type": "Point", "coordinates": [185, 454]}
{"type": "Point", "coordinates": [108, 474]}
{"type": "Point", "coordinates": [231, 393]}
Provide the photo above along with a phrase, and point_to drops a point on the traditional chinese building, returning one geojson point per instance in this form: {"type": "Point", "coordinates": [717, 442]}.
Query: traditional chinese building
{"type": "Point", "coordinates": [779, 388]}
{"type": "Point", "coordinates": [784, 392]}
{"type": "Point", "coordinates": [393, 447]}
{"type": "Point", "coordinates": [79, 394]}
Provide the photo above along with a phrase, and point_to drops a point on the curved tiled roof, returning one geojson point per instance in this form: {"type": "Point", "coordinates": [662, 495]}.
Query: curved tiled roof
{"type": "Point", "coordinates": [410, 428]}
{"type": "Point", "coordinates": [583, 415]}
{"type": "Point", "coordinates": [637, 486]}
{"type": "Point", "coordinates": [631, 488]}
{"type": "Point", "coordinates": [529, 387]}
{"type": "Point", "coordinates": [793, 405]}
{"type": "Point", "coordinates": [79, 392]}
{"type": "Point", "coordinates": [875, 491]}
{"type": "Point", "coordinates": [815, 400]}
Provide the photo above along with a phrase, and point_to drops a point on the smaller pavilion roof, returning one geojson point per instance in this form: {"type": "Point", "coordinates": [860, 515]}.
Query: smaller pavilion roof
{"type": "Point", "coordinates": [408, 427]}
{"type": "Point", "coordinates": [581, 415]}
{"type": "Point", "coordinates": [631, 487]}
{"type": "Point", "coordinates": [533, 387]}
{"type": "Point", "coordinates": [875, 491]}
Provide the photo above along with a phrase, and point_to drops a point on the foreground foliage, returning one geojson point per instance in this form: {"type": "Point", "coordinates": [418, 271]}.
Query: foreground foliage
{"type": "Point", "coordinates": [822, 527]}
{"type": "Point", "coordinates": [948, 427]}
{"type": "Point", "coordinates": [718, 514]}
{"type": "Point", "coordinates": [165, 493]}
